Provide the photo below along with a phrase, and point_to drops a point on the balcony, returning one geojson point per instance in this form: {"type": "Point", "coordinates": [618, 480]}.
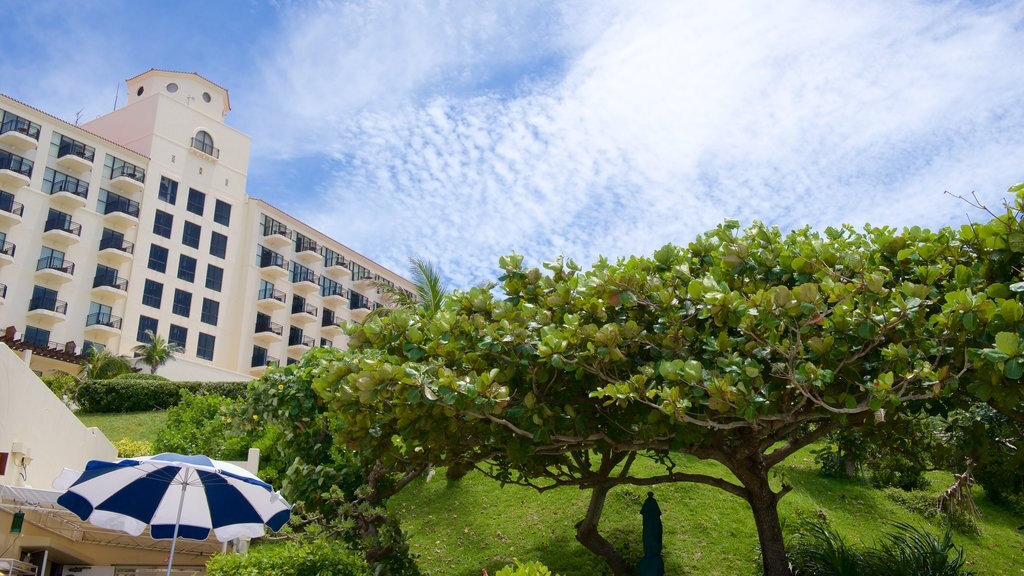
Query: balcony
{"type": "Point", "coordinates": [109, 287]}
{"type": "Point", "coordinates": [299, 344]}
{"type": "Point", "coordinates": [120, 212]}
{"type": "Point", "coordinates": [15, 171]}
{"type": "Point", "coordinates": [261, 362]}
{"type": "Point", "coordinates": [271, 299]}
{"type": "Point", "coordinates": [268, 333]}
{"type": "Point", "coordinates": [47, 309]}
{"type": "Point", "coordinates": [10, 211]}
{"type": "Point", "coordinates": [337, 266]}
{"type": "Point", "coordinates": [306, 284]}
{"type": "Point", "coordinates": [56, 269]}
{"type": "Point", "coordinates": [363, 281]}
{"type": "Point", "coordinates": [128, 179]}
{"type": "Point", "coordinates": [308, 251]}
{"type": "Point", "coordinates": [276, 235]}
{"type": "Point", "coordinates": [335, 298]}
{"type": "Point", "coordinates": [70, 193]}
{"type": "Point", "coordinates": [116, 251]}
{"type": "Point", "coordinates": [273, 265]}
{"type": "Point", "coordinates": [7, 250]}
{"type": "Point", "coordinates": [101, 324]}
{"type": "Point", "coordinates": [19, 133]}
{"type": "Point", "coordinates": [75, 156]}
{"type": "Point", "coordinates": [3, 293]}
{"type": "Point", "coordinates": [305, 313]}
{"type": "Point", "coordinates": [359, 306]}
{"type": "Point", "coordinates": [205, 149]}
{"type": "Point", "coordinates": [62, 231]}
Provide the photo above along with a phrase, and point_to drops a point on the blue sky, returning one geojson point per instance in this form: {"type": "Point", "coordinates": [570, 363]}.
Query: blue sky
{"type": "Point", "coordinates": [458, 131]}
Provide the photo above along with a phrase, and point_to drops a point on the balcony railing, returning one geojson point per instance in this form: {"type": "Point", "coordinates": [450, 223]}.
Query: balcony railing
{"type": "Point", "coordinates": [63, 224]}
{"type": "Point", "coordinates": [48, 303]}
{"type": "Point", "coordinates": [263, 359]}
{"type": "Point", "coordinates": [119, 245]}
{"type": "Point", "coordinates": [76, 148]}
{"type": "Point", "coordinates": [206, 148]}
{"type": "Point", "coordinates": [55, 263]}
{"type": "Point", "coordinates": [304, 275]}
{"type": "Point", "coordinates": [271, 259]}
{"type": "Point", "coordinates": [272, 294]}
{"type": "Point", "coordinates": [299, 308]}
{"type": "Point", "coordinates": [119, 204]}
{"type": "Point", "coordinates": [3, 290]}
{"type": "Point", "coordinates": [110, 281]}
{"type": "Point", "coordinates": [362, 275]}
{"type": "Point", "coordinates": [338, 261]}
{"type": "Point", "coordinates": [357, 301]}
{"type": "Point", "coordinates": [333, 291]}
{"type": "Point", "coordinates": [21, 125]}
{"type": "Point", "coordinates": [298, 340]}
{"type": "Point", "coordinates": [16, 163]}
{"type": "Point", "coordinates": [103, 319]}
{"type": "Point", "coordinates": [129, 171]}
{"type": "Point", "coordinates": [7, 204]}
{"type": "Point", "coordinates": [272, 327]}
{"type": "Point", "coordinates": [72, 186]}
{"type": "Point", "coordinates": [306, 245]}
{"type": "Point", "coordinates": [8, 249]}
{"type": "Point", "coordinates": [275, 229]}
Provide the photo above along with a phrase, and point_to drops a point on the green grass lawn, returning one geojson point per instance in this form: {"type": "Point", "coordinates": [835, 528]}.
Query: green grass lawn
{"type": "Point", "coordinates": [459, 528]}
{"type": "Point", "coordinates": [136, 425]}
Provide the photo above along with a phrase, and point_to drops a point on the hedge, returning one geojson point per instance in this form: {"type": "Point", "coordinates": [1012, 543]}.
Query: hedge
{"type": "Point", "coordinates": [319, 557]}
{"type": "Point", "coordinates": [143, 394]}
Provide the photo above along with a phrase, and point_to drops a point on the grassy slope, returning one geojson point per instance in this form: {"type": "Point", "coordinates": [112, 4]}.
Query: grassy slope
{"type": "Point", "coordinates": [474, 524]}
{"type": "Point", "coordinates": [137, 425]}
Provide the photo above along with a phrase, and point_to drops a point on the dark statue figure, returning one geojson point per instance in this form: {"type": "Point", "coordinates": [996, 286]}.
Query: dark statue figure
{"type": "Point", "coordinates": [651, 564]}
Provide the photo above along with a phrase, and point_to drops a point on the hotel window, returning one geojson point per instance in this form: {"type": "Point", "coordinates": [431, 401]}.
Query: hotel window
{"type": "Point", "coordinates": [162, 224]}
{"type": "Point", "coordinates": [214, 277]}
{"type": "Point", "coordinates": [168, 190]}
{"type": "Point", "coordinates": [190, 234]}
{"type": "Point", "coordinates": [182, 303]}
{"type": "Point", "coordinates": [196, 202]}
{"type": "Point", "coordinates": [259, 356]}
{"type": "Point", "coordinates": [187, 268]}
{"type": "Point", "coordinates": [37, 336]}
{"type": "Point", "coordinates": [218, 244]}
{"type": "Point", "coordinates": [211, 310]}
{"type": "Point", "coordinates": [146, 324]}
{"type": "Point", "coordinates": [222, 213]}
{"type": "Point", "coordinates": [114, 239]}
{"type": "Point", "coordinates": [158, 258]}
{"type": "Point", "coordinates": [177, 335]}
{"type": "Point", "coordinates": [326, 343]}
{"type": "Point", "coordinates": [206, 344]}
{"type": "Point", "coordinates": [152, 294]}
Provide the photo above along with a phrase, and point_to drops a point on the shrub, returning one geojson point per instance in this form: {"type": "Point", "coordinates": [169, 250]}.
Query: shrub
{"type": "Point", "coordinates": [319, 557]}
{"type": "Point", "coordinates": [62, 385]}
{"type": "Point", "coordinates": [927, 506]}
{"type": "Point", "coordinates": [202, 424]}
{"type": "Point", "coordinates": [128, 448]}
{"type": "Point", "coordinates": [130, 393]}
{"type": "Point", "coordinates": [528, 569]}
{"type": "Point", "coordinates": [140, 376]}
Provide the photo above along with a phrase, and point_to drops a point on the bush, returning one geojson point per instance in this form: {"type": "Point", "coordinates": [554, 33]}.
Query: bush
{"type": "Point", "coordinates": [128, 448]}
{"type": "Point", "coordinates": [62, 385]}
{"type": "Point", "coordinates": [140, 376]}
{"type": "Point", "coordinates": [202, 424]}
{"type": "Point", "coordinates": [130, 393]}
{"type": "Point", "coordinates": [927, 506]}
{"type": "Point", "coordinates": [318, 557]}
{"type": "Point", "coordinates": [528, 569]}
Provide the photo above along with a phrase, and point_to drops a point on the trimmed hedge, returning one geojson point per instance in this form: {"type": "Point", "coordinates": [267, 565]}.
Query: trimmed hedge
{"type": "Point", "coordinates": [143, 394]}
{"type": "Point", "coordinates": [140, 376]}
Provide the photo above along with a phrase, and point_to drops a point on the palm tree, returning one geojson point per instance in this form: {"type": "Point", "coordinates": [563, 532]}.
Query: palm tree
{"type": "Point", "coordinates": [156, 352]}
{"type": "Point", "coordinates": [102, 364]}
{"type": "Point", "coordinates": [429, 295]}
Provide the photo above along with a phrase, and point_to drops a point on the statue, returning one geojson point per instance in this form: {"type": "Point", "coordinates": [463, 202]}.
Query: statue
{"type": "Point", "coordinates": [651, 564]}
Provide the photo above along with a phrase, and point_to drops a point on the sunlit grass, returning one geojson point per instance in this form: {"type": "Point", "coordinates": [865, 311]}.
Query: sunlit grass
{"type": "Point", "coordinates": [135, 425]}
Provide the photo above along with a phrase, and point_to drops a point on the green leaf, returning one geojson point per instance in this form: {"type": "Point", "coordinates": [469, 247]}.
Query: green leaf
{"type": "Point", "coordinates": [1013, 370]}
{"type": "Point", "coordinates": [1008, 343]}
{"type": "Point", "coordinates": [693, 372]}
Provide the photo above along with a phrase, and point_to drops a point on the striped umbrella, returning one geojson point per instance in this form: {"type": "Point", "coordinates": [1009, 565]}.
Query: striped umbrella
{"type": "Point", "coordinates": [177, 496]}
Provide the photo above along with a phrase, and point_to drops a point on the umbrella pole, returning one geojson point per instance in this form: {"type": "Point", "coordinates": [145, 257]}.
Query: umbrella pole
{"type": "Point", "coordinates": [177, 522]}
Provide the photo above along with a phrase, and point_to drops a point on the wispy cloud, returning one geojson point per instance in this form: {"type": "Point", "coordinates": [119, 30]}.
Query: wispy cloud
{"type": "Point", "coordinates": [653, 122]}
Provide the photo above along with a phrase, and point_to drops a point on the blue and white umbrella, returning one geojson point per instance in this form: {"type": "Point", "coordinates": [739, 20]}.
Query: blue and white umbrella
{"type": "Point", "coordinates": [177, 496]}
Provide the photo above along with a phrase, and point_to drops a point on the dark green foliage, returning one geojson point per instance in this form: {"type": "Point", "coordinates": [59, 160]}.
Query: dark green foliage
{"type": "Point", "coordinates": [894, 453]}
{"type": "Point", "coordinates": [61, 384]}
{"type": "Point", "coordinates": [132, 394]}
{"type": "Point", "coordinates": [843, 456]}
{"type": "Point", "coordinates": [927, 506]}
{"type": "Point", "coordinates": [138, 376]}
{"type": "Point", "coordinates": [318, 557]}
{"type": "Point", "coordinates": [993, 442]}
{"type": "Point", "coordinates": [818, 550]}
{"type": "Point", "coordinates": [202, 424]}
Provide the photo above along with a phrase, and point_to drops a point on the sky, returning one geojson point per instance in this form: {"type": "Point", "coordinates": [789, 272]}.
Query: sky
{"type": "Point", "coordinates": [458, 131]}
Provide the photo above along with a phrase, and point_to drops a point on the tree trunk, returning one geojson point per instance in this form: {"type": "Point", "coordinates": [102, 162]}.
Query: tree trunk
{"type": "Point", "coordinates": [587, 534]}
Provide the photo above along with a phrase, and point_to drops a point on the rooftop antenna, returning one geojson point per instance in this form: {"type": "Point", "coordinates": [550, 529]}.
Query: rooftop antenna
{"type": "Point", "coordinates": [117, 92]}
{"type": "Point", "coordinates": [78, 116]}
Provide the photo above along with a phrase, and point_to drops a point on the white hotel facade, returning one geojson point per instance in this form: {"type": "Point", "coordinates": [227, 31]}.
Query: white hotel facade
{"type": "Point", "coordinates": [139, 220]}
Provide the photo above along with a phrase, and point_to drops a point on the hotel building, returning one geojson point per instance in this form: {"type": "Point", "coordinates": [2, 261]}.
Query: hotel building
{"type": "Point", "coordinates": [139, 221]}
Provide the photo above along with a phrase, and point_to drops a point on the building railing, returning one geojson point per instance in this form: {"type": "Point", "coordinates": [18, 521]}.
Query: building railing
{"type": "Point", "coordinates": [48, 303]}
{"type": "Point", "coordinates": [357, 301]}
{"type": "Point", "coordinates": [275, 228]}
{"type": "Point", "coordinates": [55, 263]}
{"type": "Point", "coordinates": [272, 294]}
{"type": "Point", "coordinates": [298, 340]}
{"type": "Point", "coordinates": [76, 148]}
{"type": "Point", "coordinates": [8, 249]}
{"type": "Point", "coordinates": [206, 148]}
{"type": "Point", "coordinates": [272, 327]}
{"type": "Point", "coordinates": [129, 171]}
{"type": "Point", "coordinates": [305, 276]}
{"type": "Point", "coordinates": [21, 125]}
{"type": "Point", "coordinates": [306, 245]}
{"type": "Point", "coordinates": [333, 291]}
{"type": "Point", "coordinates": [119, 204]}
{"type": "Point", "coordinates": [300, 308]}
{"type": "Point", "coordinates": [119, 245]}
{"type": "Point", "coordinates": [63, 224]}
{"type": "Point", "coordinates": [110, 281]}
{"type": "Point", "coordinates": [71, 185]}
{"type": "Point", "coordinates": [270, 259]}
{"type": "Point", "coordinates": [3, 290]}
{"type": "Point", "coordinates": [338, 261]}
{"type": "Point", "coordinates": [16, 163]}
{"type": "Point", "coordinates": [103, 319]}
{"type": "Point", "coordinates": [8, 204]}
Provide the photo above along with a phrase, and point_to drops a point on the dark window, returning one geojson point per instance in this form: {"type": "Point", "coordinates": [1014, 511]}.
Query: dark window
{"type": "Point", "coordinates": [178, 335]}
{"type": "Point", "coordinates": [146, 324]}
{"type": "Point", "coordinates": [37, 336]}
{"type": "Point", "coordinates": [44, 298]}
{"type": "Point", "coordinates": [203, 142]}
{"type": "Point", "coordinates": [326, 343]}
{"type": "Point", "coordinates": [168, 190]}
{"type": "Point", "coordinates": [259, 356]}
{"type": "Point", "coordinates": [196, 202]}
{"type": "Point", "coordinates": [205, 349]}
{"type": "Point", "coordinates": [222, 213]}
{"type": "Point", "coordinates": [190, 234]}
{"type": "Point", "coordinates": [114, 239]}
{"type": "Point", "coordinates": [211, 310]}
{"type": "Point", "coordinates": [152, 293]}
{"type": "Point", "coordinates": [218, 244]}
{"type": "Point", "coordinates": [328, 317]}
{"type": "Point", "coordinates": [182, 303]}
{"type": "Point", "coordinates": [162, 224]}
{"type": "Point", "coordinates": [105, 276]}
{"type": "Point", "coordinates": [214, 277]}
{"type": "Point", "coordinates": [187, 268]}
{"type": "Point", "coordinates": [294, 335]}
{"type": "Point", "coordinates": [292, 361]}
{"type": "Point", "coordinates": [89, 345]}
{"type": "Point", "coordinates": [158, 258]}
